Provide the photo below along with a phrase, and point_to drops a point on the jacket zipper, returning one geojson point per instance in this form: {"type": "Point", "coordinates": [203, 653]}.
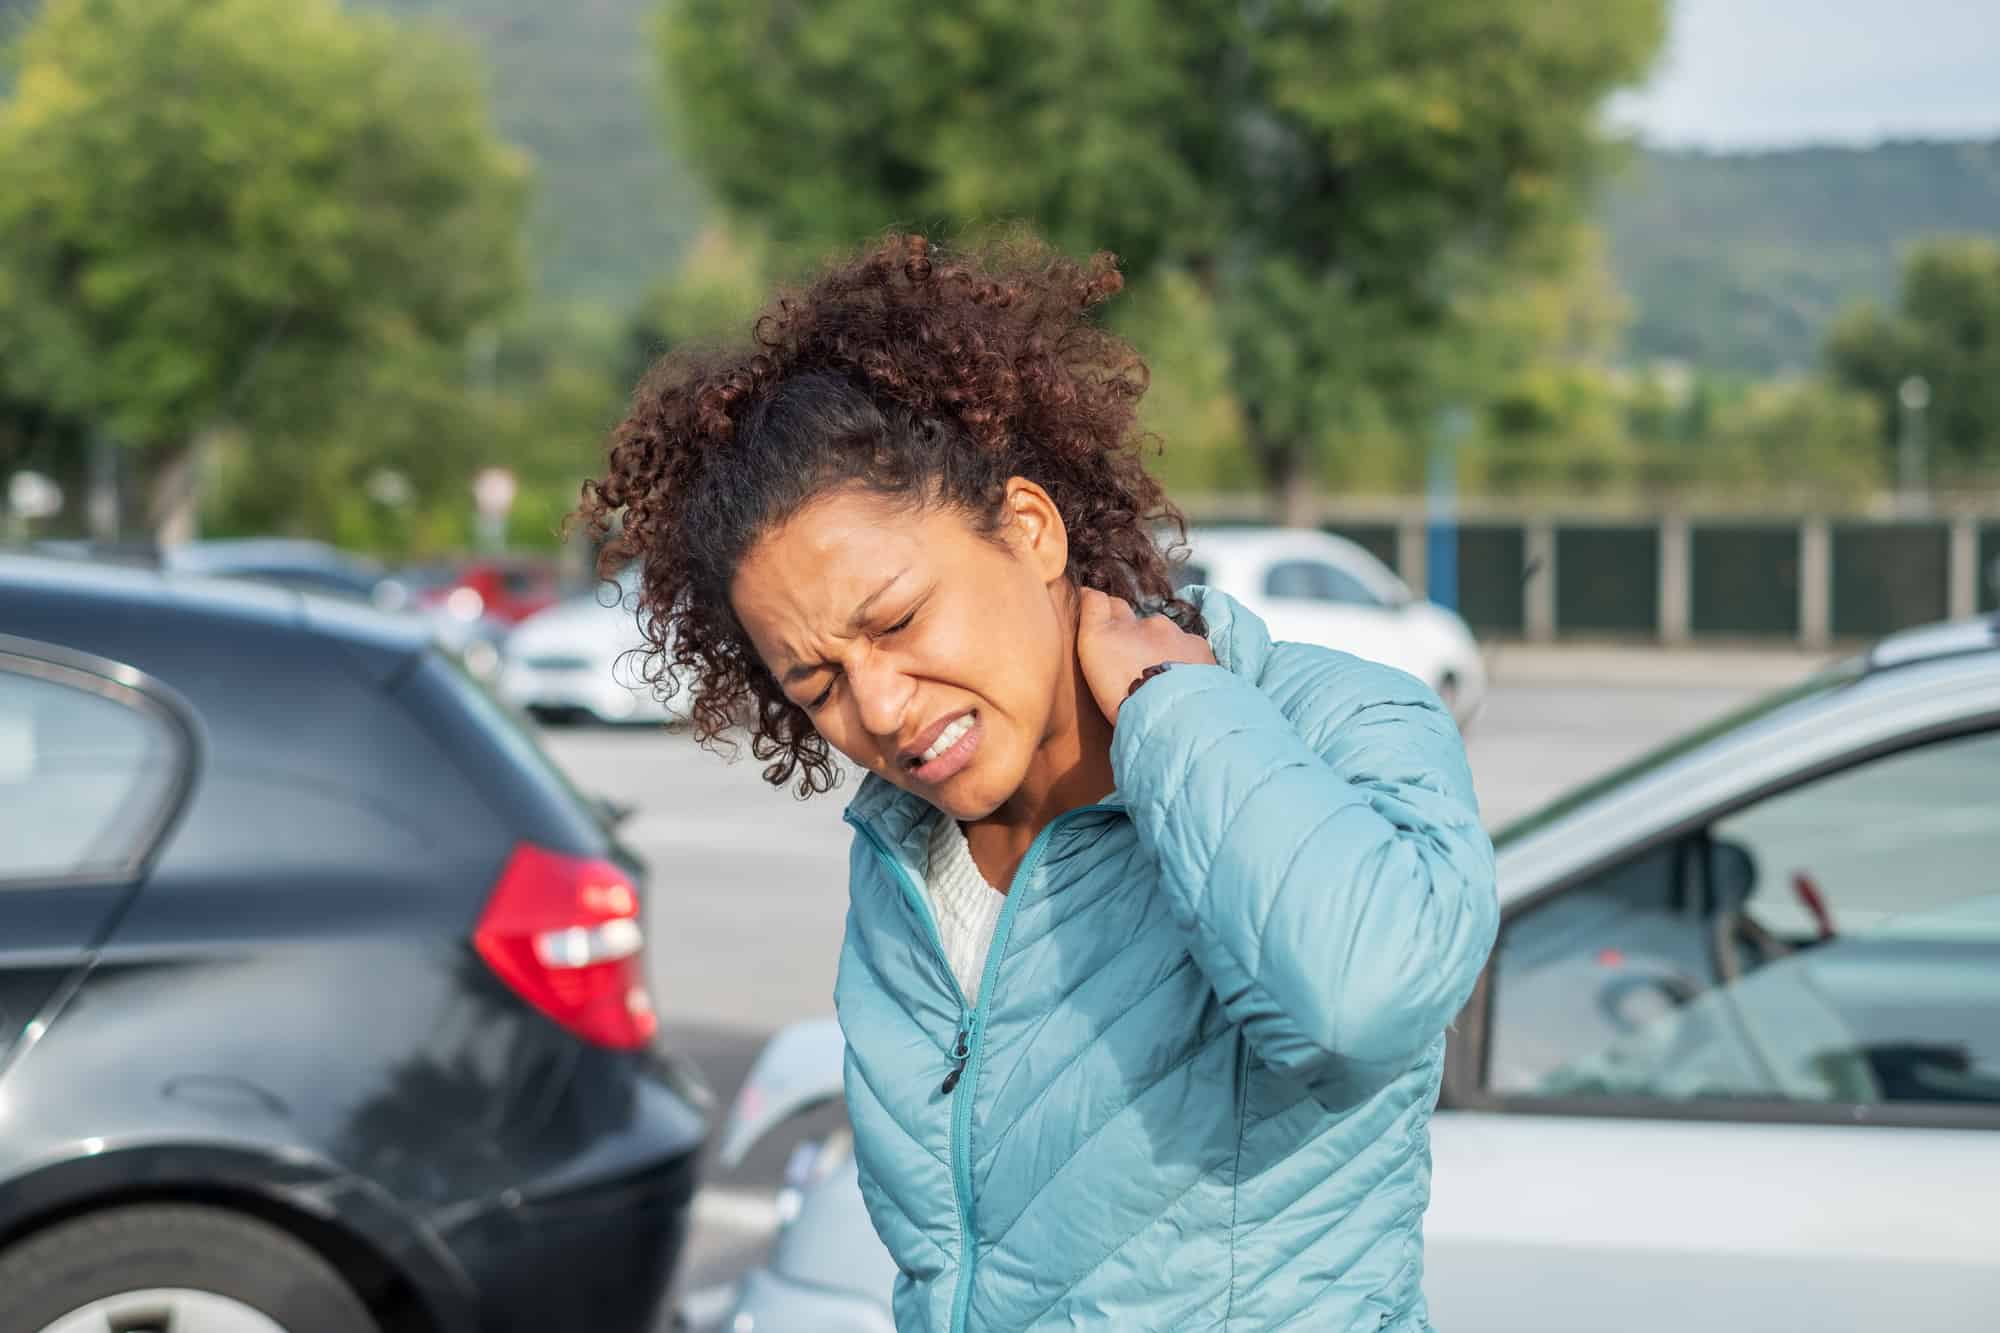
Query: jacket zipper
{"type": "Point", "coordinates": [968, 1045]}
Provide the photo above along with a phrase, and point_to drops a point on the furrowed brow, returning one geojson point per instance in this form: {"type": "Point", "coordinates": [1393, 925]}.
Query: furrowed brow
{"type": "Point", "coordinates": [803, 670]}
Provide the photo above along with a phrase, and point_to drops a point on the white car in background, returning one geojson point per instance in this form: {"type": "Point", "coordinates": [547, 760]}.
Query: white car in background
{"type": "Point", "coordinates": [578, 658]}
{"type": "Point", "coordinates": [1314, 587]}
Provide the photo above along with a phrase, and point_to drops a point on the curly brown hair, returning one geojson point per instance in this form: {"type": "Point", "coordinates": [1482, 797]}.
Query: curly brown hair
{"type": "Point", "coordinates": [907, 371]}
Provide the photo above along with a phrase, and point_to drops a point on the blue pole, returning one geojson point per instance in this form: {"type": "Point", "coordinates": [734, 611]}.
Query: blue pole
{"type": "Point", "coordinates": [1441, 512]}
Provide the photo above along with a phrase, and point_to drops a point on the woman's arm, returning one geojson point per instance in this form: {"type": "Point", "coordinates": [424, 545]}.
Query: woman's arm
{"type": "Point", "coordinates": [1331, 873]}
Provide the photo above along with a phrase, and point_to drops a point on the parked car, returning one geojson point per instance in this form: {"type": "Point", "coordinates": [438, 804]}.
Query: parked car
{"type": "Point", "coordinates": [1314, 587]}
{"type": "Point", "coordinates": [577, 660]}
{"type": "Point", "coordinates": [303, 566]}
{"type": "Point", "coordinates": [1735, 1061]}
{"type": "Point", "coordinates": [321, 1006]}
{"type": "Point", "coordinates": [509, 589]}
{"type": "Point", "coordinates": [321, 570]}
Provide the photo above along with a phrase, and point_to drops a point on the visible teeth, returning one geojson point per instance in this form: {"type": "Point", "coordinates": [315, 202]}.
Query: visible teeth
{"type": "Point", "coordinates": [948, 738]}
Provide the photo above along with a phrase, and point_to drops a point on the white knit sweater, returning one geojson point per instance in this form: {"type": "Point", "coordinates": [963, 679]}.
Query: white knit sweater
{"type": "Point", "coordinates": [965, 905]}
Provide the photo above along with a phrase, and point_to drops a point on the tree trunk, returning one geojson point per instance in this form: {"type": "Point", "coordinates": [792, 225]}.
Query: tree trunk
{"type": "Point", "coordinates": [173, 506]}
{"type": "Point", "coordinates": [1288, 481]}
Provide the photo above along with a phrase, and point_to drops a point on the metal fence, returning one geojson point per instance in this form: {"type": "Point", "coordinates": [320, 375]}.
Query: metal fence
{"type": "Point", "coordinates": [1810, 580]}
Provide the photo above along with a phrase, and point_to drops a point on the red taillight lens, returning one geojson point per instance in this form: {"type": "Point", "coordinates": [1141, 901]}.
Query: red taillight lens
{"type": "Point", "coordinates": [563, 932]}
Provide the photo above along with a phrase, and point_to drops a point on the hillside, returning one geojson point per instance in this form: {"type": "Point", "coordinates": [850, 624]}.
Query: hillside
{"type": "Point", "coordinates": [572, 82]}
{"type": "Point", "coordinates": [1735, 262]}
{"type": "Point", "coordinates": [1732, 261]}
{"type": "Point", "coordinates": [1739, 261]}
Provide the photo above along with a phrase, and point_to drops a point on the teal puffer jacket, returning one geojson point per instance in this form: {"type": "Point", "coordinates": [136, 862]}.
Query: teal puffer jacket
{"type": "Point", "coordinates": [1196, 1089]}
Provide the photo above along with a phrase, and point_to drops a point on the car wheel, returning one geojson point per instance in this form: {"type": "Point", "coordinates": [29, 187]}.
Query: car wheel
{"type": "Point", "coordinates": [1447, 692]}
{"type": "Point", "coordinates": [172, 1268]}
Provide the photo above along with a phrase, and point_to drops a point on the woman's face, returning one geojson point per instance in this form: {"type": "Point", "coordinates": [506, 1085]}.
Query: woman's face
{"type": "Point", "coordinates": [922, 650]}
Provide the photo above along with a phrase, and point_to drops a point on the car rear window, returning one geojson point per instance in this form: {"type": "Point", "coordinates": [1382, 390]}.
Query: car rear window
{"type": "Point", "coordinates": [498, 754]}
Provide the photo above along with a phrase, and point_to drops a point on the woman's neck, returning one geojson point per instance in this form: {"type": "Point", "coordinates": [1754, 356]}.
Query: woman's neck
{"type": "Point", "coordinates": [1071, 769]}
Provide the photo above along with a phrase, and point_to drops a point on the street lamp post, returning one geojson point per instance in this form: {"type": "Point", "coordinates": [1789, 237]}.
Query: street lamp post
{"type": "Point", "coordinates": [1913, 395]}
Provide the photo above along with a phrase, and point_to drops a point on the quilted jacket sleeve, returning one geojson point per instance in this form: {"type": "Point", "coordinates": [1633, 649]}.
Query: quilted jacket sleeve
{"type": "Point", "coordinates": [1321, 846]}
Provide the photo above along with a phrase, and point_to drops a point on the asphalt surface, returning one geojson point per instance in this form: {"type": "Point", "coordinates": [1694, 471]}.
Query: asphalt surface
{"type": "Point", "coordinates": [747, 890]}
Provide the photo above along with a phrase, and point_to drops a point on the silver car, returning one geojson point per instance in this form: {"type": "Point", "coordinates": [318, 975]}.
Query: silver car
{"type": "Point", "coordinates": [1735, 1063]}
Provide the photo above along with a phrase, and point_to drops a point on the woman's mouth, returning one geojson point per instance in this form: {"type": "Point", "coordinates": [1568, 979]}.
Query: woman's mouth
{"type": "Point", "coordinates": [950, 752]}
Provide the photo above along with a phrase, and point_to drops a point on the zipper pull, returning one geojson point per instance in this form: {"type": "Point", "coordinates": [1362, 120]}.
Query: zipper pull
{"type": "Point", "coordinates": [961, 1051]}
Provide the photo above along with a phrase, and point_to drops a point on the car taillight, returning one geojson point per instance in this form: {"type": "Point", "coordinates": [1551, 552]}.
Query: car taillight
{"type": "Point", "coordinates": [563, 933]}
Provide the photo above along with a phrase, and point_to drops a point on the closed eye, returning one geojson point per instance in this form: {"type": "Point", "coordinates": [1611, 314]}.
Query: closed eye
{"type": "Point", "coordinates": [819, 701]}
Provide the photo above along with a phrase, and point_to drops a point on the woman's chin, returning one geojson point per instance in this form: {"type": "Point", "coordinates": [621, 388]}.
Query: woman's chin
{"type": "Point", "coordinates": [969, 796]}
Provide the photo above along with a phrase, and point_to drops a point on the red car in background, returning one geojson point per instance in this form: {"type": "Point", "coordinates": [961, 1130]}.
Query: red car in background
{"type": "Point", "coordinates": [507, 590]}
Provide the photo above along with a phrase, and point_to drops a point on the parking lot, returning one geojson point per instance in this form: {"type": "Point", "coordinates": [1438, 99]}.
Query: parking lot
{"type": "Point", "coordinates": [747, 893]}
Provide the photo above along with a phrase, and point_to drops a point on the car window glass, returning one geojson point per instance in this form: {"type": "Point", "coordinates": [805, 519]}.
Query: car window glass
{"type": "Point", "coordinates": [83, 778]}
{"type": "Point", "coordinates": [1188, 574]}
{"type": "Point", "coordinates": [1316, 580]}
{"type": "Point", "coordinates": [1838, 942]}
{"type": "Point", "coordinates": [1337, 585]}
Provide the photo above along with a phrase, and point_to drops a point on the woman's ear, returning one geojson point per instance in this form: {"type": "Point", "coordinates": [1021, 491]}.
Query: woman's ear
{"type": "Point", "coordinates": [1034, 528]}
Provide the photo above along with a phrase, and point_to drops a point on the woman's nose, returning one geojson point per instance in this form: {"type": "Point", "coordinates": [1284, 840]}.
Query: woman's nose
{"type": "Point", "coordinates": [882, 696]}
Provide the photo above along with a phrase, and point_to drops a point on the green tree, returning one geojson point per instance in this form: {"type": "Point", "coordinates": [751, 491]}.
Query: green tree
{"type": "Point", "coordinates": [1946, 330]}
{"type": "Point", "coordinates": [224, 215]}
{"type": "Point", "coordinates": [1346, 181]}
{"type": "Point", "coordinates": [1805, 436]}
{"type": "Point", "coordinates": [717, 288]}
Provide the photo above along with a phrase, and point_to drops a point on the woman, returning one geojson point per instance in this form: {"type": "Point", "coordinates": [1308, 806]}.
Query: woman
{"type": "Point", "coordinates": [1155, 925]}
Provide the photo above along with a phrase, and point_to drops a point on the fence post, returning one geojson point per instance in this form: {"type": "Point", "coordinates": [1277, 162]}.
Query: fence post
{"type": "Point", "coordinates": [1815, 582]}
{"type": "Point", "coordinates": [1962, 580]}
{"type": "Point", "coordinates": [1411, 549]}
{"type": "Point", "coordinates": [1676, 578]}
{"type": "Point", "coordinates": [1538, 553]}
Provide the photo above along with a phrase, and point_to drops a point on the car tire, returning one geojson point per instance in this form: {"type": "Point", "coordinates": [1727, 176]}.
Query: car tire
{"type": "Point", "coordinates": [1448, 691]}
{"type": "Point", "coordinates": [129, 1262]}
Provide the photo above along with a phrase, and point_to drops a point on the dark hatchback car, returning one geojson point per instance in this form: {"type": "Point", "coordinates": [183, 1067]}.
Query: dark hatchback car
{"type": "Point", "coordinates": [321, 998]}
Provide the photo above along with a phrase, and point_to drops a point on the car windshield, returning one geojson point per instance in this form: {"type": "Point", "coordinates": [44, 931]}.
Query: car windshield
{"type": "Point", "coordinates": [1822, 682]}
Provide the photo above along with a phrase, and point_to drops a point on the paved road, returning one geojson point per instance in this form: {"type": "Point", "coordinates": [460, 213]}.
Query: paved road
{"type": "Point", "coordinates": [747, 893]}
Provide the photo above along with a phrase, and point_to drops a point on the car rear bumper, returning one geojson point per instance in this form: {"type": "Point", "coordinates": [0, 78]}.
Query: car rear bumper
{"type": "Point", "coordinates": [591, 1238]}
{"type": "Point", "coordinates": [600, 1259]}
{"type": "Point", "coordinates": [565, 689]}
{"type": "Point", "coordinates": [569, 689]}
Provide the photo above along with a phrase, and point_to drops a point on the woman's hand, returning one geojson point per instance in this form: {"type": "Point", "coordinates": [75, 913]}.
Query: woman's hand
{"type": "Point", "coordinates": [1114, 644]}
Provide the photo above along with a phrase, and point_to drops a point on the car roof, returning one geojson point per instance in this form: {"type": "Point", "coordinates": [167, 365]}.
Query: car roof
{"type": "Point", "coordinates": [69, 602]}
{"type": "Point", "coordinates": [1929, 642]}
{"type": "Point", "coordinates": [244, 552]}
{"type": "Point", "coordinates": [1250, 537]}
{"type": "Point", "coordinates": [1234, 546]}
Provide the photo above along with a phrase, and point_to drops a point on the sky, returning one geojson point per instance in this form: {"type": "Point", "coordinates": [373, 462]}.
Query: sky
{"type": "Point", "coordinates": [1745, 74]}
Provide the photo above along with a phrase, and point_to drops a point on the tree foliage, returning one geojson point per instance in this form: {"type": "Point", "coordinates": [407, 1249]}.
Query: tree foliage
{"type": "Point", "coordinates": [1946, 330]}
{"type": "Point", "coordinates": [229, 213]}
{"type": "Point", "coordinates": [1342, 179]}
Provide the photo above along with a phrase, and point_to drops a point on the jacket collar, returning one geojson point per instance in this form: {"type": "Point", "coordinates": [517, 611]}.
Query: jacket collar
{"type": "Point", "coordinates": [1236, 636]}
